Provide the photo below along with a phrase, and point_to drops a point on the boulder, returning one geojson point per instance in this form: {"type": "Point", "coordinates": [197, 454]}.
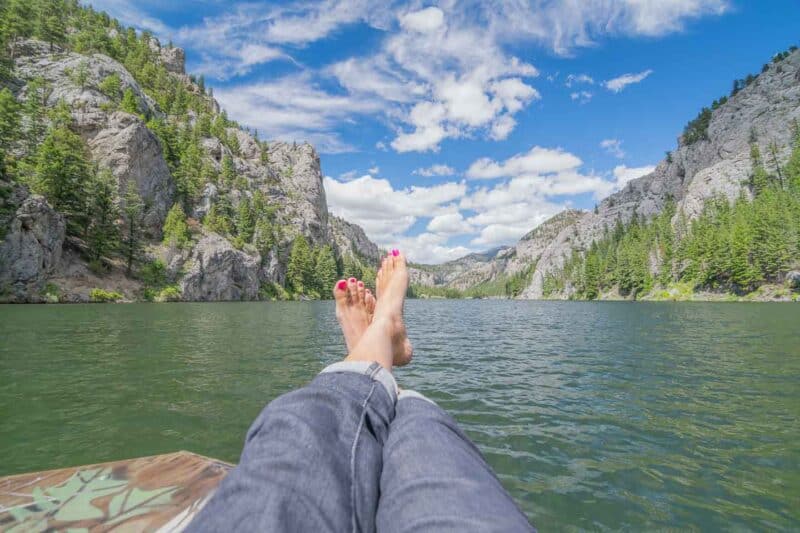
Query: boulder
{"type": "Point", "coordinates": [217, 271]}
{"type": "Point", "coordinates": [31, 249]}
{"type": "Point", "coordinates": [793, 279]}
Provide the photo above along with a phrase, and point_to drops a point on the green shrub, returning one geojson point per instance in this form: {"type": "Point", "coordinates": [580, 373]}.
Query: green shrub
{"type": "Point", "coordinates": [51, 293]}
{"type": "Point", "coordinates": [273, 291]}
{"type": "Point", "coordinates": [169, 294]}
{"type": "Point", "coordinates": [103, 296]}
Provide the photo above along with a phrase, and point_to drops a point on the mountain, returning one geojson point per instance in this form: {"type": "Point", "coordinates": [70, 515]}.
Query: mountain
{"type": "Point", "coordinates": [719, 156]}
{"type": "Point", "coordinates": [120, 174]}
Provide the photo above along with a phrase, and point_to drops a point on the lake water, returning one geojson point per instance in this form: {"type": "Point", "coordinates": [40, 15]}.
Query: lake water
{"type": "Point", "coordinates": [594, 415]}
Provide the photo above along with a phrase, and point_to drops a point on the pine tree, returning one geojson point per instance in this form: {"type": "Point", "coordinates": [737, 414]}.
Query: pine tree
{"type": "Point", "coordinates": [245, 220]}
{"type": "Point", "coordinates": [61, 171]}
{"type": "Point", "coordinates": [111, 86]}
{"type": "Point", "coordinates": [80, 75]}
{"type": "Point", "coordinates": [759, 179]}
{"type": "Point", "coordinates": [228, 170]}
{"type": "Point", "coordinates": [176, 230]}
{"type": "Point", "coordinates": [17, 23]}
{"type": "Point", "coordinates": [9, 125]}
{"type": "Point", "coordinates": [50, 25]}
{"type": "Point", "coordinates": [133, 235]}
{"type": "Point", "coordinates": [299, 272]}
{"type": "Point", "coordinates": [34, 108]}
{"type": "Point", "coordinates": [129, 102]}
{"type": "Point", "coordinates": [188, 176]}
{"type": "Point", "coordinates": [325, 271]}
{"type": "Point", "coordinates": [102, 236]}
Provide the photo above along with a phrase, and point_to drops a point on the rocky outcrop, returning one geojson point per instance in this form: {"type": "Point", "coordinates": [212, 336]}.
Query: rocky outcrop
{"type": "Point", "coordinates": [31, 248]}
{"type": "Point", "coordinates": [288, 175]}
{"type": "Point", "coordinates": [350, 239]}
{"type": "Point", "coordinates": [132, 152]}
{"type": "Point", "coordinates": [217, 271]}
{"type": "Point", "coordinates": [717, 166]}
{"type": "Point", "coordinates": [117, 140]}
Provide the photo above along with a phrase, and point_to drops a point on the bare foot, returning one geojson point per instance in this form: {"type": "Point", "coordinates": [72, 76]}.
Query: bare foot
{"type": "Point", "coordinates": [392, 283]}
{"type": "Point", "coordinates": [386, 329]}
{"type": "Point", "coordinates": [352, 310]}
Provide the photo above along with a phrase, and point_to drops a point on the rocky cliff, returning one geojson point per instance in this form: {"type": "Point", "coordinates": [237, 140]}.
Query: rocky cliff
{"type": "Point", "coordinates": [716, 164]}
{"type": "Point", "coordinates": [285, 176]}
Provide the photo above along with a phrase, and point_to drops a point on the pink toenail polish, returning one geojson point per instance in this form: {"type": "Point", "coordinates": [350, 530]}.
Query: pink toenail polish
{"type": "Point", "coordinates": [342, 285]}
{"type": "Point", "coordinates": [352, 280]}
{"type": "Point", "coordinates": [395, 252]}
{"type": "Point", "coordinates": [360, 283]}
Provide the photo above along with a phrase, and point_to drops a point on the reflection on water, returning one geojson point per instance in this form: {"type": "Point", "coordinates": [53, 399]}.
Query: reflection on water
{"type": "Point", "coordinates": [594, 415]}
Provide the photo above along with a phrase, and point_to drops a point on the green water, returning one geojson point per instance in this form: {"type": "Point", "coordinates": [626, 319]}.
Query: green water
{"type": "Point", "coordinates": [594, 415]}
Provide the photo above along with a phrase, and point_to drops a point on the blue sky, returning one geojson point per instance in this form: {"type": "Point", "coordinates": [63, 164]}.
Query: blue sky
{"type": "Point", "coordinates": [452, 127]}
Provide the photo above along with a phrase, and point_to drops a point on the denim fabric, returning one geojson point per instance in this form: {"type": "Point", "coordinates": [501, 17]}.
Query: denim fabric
{"type": "Point", "coordinates": [320, 458]}
{"type": "Point", "coordinates": [435, 479]}
{"type": "Point", "coordinates": [311, 460]}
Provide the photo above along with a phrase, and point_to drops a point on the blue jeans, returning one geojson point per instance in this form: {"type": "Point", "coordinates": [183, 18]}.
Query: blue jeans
{"type": "Point", "coordinates": [348, 453]}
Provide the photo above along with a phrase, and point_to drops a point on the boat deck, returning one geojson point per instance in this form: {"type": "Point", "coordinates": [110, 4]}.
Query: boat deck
{"type": "Point", "coordinates": [157, 493]}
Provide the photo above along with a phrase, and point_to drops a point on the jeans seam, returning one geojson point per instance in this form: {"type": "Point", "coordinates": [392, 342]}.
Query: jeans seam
{"type": "Point", "coordinates": [353, 485]}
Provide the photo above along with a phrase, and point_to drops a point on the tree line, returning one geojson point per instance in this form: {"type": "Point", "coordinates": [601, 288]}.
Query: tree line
{"type": "Point", "coordinates": [733, 246]}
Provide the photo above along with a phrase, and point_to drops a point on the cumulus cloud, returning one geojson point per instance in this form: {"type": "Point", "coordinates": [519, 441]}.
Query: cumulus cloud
{"type": "Point", "coordinates": [435, 170]}
{"type": "Point", "coordinates": [613, 147]}
{"type": "Point", "coordinates": [450, 224]}
{"type": "Point", "coordinates": [538, 160]}
{"type": "Point", "coordinates": [385, 212]}
{"type": "Point", "coordinates": [620, 82]}
{"type": "Point", "coordinates": [294, 108]}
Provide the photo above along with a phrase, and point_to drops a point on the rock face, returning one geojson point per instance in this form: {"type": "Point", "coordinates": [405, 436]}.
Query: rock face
{"type": "Point", "coordinates": [126, 146]}
{"type": "Point", "coordinates": [287, 175]}
{"type": "Point", "coordinates": [716, 166]}
{"type": "Point", "coordinates": [31, 249]}
{"type": "Point", "coordinates": [351, 240]}
{"type": "Point", "coordinates": [217, 271]}
{"type": "Point", "coordinates": [117, 140]}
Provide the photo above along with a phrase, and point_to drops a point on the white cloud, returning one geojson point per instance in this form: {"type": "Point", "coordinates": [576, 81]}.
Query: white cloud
{"type": "Point", "coordinates": [450, 224]}
{"type": "Point", "coordinates": [435, 170]}
{"type": "Point", "coordinates": [502, 127]}
{"type": "Point", "coordinates": [454, 59]}
{"type": "Point", "coordinates": [536, 161]}
{"type": "Point", "coordinates": [374, 170]}
{"type": "Point", "coordinates": [613, 147]}
{"type": "Point", "coordinates": [582, 97]}
{"type": "Point", "coordinates": [385, 212]}
{"type": "Point", "coordinates": [430, 248]}
{"type": "Point", "coordinates": [578, 78]}
{"type": "Point", "coordinates": [624, 174]}
{"type": "Point", "coordinates": [423, 21]}
{"type": "Point", "coordinates": [620, 82]}
{"type": "Point", "coordinates": [293, 108]}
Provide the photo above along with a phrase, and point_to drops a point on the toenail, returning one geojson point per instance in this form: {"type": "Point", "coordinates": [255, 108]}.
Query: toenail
{"type": "Point", "coordinates": [342, 285]}
{"type": "Point", "coordinates": [352, 280]}
{"type": "Point", "coordinates": [360, 283]}
{"type": "Point", "coordinates": [395, 252]}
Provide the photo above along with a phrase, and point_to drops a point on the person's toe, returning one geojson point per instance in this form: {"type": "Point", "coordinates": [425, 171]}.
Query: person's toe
{"type": "Point", "coordinates": [340, 292]}
{"type": "Point", "coordinates": [361, 291]}
{"type": "Point", "coordinates": [352, 290]}
{"type": "Point", "coordinates": [369, 300]}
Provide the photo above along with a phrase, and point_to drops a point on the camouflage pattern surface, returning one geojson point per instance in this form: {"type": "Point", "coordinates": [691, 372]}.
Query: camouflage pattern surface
{"type": "Point", "coordinates": [158, 493]}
